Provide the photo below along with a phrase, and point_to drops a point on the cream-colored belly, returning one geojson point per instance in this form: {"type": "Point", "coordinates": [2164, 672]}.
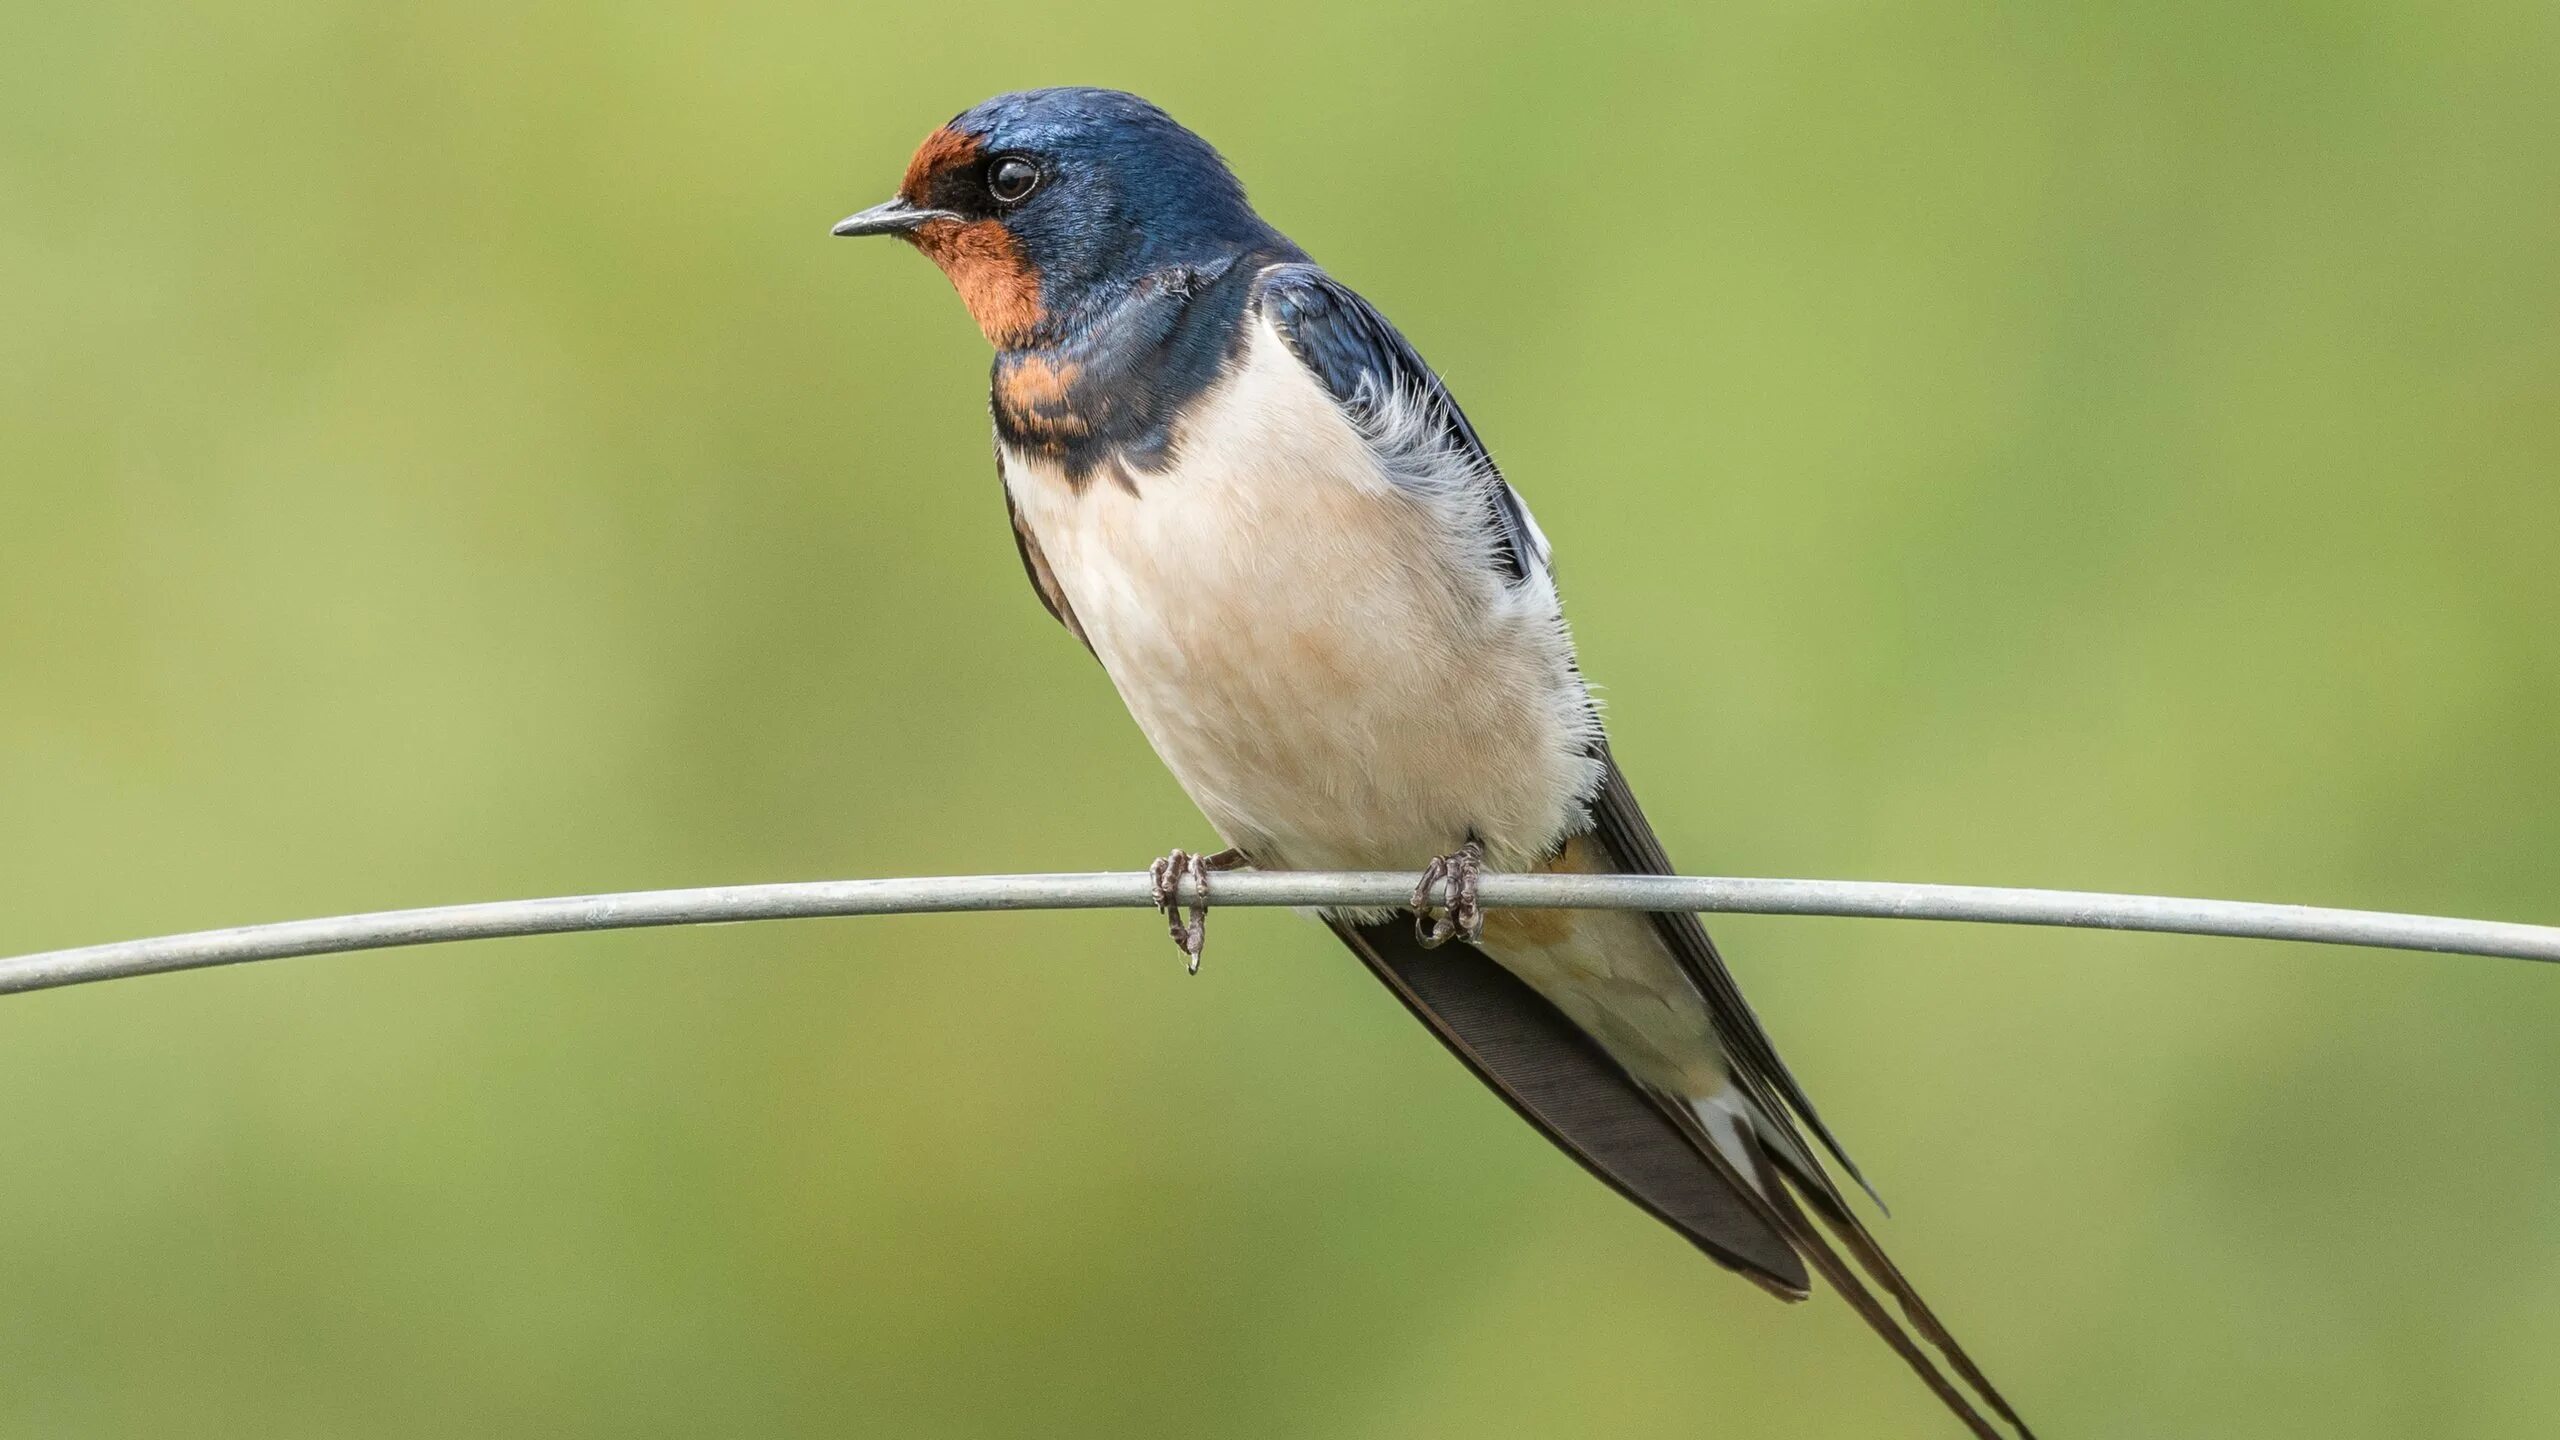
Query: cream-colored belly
{"type": "Point", "coordinates": [1328, 668]}
{"type": "Point", "coordinates": [1341, 682]}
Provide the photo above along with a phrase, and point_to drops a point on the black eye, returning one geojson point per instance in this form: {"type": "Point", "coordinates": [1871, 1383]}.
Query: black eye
{"type": "Point", "coordinates": [1012, 179]}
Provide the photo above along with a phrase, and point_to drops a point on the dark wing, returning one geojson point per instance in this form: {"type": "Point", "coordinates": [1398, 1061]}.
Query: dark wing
{"type": "Point", "coordinates": [1628, 837]}
{"type": "Point", "coordinates": [1656, 1154]}
{"type": "Point", "coordinates": [1036, 565]}
{"type": "Point", "coordinates": [1366, 362]}
{"type": "Point", "coordinates": [1554, 1075]}
{"type": "Point", "coordinates": [1564, 1084]}
{"type": "Point", "coordinates": [1362, 359]}
{"type": "Point", "coordinates": [1651, 1151]}
{"type": "Point", "coordinates": [1634, 849]}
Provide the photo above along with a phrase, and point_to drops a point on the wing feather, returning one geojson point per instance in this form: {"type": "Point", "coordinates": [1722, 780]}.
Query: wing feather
{"type": "Point", "coordinates": [1368, 366]}
{"type": "Point", "coordinates": [1044, 581]}
{"type": "Point", "coordinates": [1623, 830]}
{"type": "Point", "coordinates": [1560, 1081]}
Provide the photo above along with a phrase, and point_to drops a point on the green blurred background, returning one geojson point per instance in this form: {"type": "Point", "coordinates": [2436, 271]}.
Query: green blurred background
{"type": "Point", "coordinates": [443, 457]}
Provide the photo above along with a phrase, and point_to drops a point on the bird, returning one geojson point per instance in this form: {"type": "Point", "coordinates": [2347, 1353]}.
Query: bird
{"type": "Point", "coordinates": [1244, 491]}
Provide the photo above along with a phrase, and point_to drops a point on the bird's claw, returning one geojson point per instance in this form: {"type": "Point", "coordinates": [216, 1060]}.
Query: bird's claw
{"type": "Point", "coordinates": [1458, 917]}
{"type": "Point", "coordinates": [1165, 879]}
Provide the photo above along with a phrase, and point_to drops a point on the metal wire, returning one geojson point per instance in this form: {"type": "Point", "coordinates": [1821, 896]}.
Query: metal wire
{"type": "Point", "coordinates": [726, 904]}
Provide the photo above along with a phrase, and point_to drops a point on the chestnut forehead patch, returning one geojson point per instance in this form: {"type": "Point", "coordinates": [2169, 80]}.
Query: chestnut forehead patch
{"type": "Point", "coordinates": [943, 151]}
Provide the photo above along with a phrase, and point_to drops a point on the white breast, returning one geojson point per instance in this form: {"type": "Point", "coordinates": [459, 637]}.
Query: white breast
{"type": "Point", "coordinates": [1325, 655]}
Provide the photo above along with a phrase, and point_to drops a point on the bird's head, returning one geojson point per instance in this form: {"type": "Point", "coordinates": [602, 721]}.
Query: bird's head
{"type": "Point", "coordinates": [1044, 203]}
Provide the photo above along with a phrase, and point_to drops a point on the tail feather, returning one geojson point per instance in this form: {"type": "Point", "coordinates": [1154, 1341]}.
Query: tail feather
{"type": "Point", "coordinates": [1871, 1257]}
{"type": "Point", "coordinates": [1818, 1252]}
{"type": "Point", "coordinates": [1731, 1172]}
{"type": "Point", "coordinates": [1722, 1172]}
{"type": "Point", "coordinates": [1782, 1164]}
{"type": "Point", "coordinates": [1721, 1128]}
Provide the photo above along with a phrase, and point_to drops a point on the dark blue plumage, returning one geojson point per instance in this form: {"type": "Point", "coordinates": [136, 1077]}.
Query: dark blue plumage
{"type": "Point", "coordinates": [1105, 395]}
{"type": "Point", "coordinates": [1126, 192]}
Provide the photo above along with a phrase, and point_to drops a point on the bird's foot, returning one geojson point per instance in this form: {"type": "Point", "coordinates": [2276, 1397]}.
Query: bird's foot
{"type": "Point", "coordinates": [1458, 918]}
{"type": "Point", "coordinates": [1165, 879]}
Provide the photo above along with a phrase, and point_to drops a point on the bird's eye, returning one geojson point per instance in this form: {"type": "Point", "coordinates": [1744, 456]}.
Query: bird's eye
{"type": "Point", "coordinates": [1012, 179]}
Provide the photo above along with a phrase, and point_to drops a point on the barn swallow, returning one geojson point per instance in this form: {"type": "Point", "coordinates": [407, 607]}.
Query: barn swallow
{"type": "Point", "coordinates": [1240, 487]}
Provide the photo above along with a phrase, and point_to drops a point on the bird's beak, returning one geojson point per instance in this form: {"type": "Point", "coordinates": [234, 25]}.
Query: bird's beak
{"type": "Point", "coordinates": [896, 217]}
